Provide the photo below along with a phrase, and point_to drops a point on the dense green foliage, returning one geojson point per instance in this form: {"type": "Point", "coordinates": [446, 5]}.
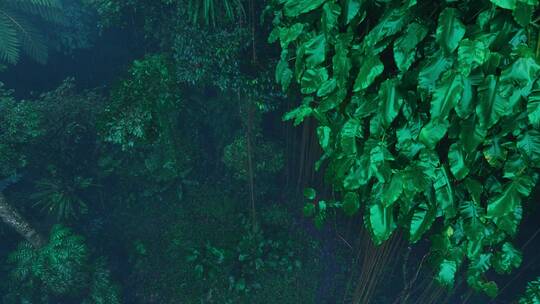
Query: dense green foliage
{"type": "Point", "coordinates": [532, 294]}
{"type": "Point", "coordinates": [179, 182]}
{"type": "Point", "coordinates": [425, 125]}
{"type": "Point", "coordinates": [59, 271]}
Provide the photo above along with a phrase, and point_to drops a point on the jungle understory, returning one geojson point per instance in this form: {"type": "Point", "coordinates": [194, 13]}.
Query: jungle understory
{"type": "Point", "coordinates": [276, 151]}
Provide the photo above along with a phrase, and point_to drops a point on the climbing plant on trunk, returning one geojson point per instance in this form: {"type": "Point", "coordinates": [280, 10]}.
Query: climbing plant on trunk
{"type": "Point", "coordinates": [428, 115]}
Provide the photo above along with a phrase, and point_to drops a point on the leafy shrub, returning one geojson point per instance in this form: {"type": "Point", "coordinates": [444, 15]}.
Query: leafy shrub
{"type": "Point", "coordinates": [268, 159]}
{"type": "Point", "coordinates": [59, 270]}
{"type": "Point", "coordinates": [62, 198]}
{"type": "Point", "coordinates": [532, 293]}
{"type": "Point", "coordinates": [424, 125]}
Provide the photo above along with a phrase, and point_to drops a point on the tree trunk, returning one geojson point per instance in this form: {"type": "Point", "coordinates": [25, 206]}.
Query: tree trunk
{"type": "Point", "coordinates": [12, 218]}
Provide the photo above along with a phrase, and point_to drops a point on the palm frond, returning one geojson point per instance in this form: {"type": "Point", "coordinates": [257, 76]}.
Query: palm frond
{"type": "Point", "coordinates": [17, 32]}
{"type": "Point", "coordinates": [50, 10]}
{"type": "Point", "coordinates": [213, 12]}
{"type": "Point", "coordinates": [31, 40]}
{"type": "Point", "coordinates": [9, 40]}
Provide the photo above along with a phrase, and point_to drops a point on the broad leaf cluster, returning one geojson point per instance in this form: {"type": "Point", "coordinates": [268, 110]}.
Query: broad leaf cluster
{"type": "Point", "coordinates": [428, 116]}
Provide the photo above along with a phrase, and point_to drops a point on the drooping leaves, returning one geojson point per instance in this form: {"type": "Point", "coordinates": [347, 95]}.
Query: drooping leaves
{"type": "Point", "coordinates": [450, 30]}
{"type": "Point", "coordinates": [369, 70]}
{"type": "Point", "coordinates": [381, 222]}
{"type": "Point", "coordinates": [426, 121]}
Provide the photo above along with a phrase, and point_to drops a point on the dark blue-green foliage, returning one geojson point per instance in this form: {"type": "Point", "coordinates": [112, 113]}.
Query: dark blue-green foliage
{"type": "Point", "coordinates": [61, 270]}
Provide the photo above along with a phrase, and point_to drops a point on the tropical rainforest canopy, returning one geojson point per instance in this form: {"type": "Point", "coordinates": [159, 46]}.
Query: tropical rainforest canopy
{"type": "Point", "coordinates": [277, 151]}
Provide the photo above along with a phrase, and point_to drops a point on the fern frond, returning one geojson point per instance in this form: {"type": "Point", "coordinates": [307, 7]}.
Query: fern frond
{"type": "Point", "coordinates": [9, 40]}
{"type": "Point", "coordinates": [50, 10]}
{"type": "Point", "coordinates": [17, 32]}
{"type": "Point", "coordinates": [31, 40]}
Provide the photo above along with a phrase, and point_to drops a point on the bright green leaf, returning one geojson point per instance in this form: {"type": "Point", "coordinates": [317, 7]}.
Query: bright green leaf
{"type": "Point", "coordinates": [293, 8]}
{"type": "Point", "coordinates": [510, 198]}
{"type": "Point", "coordinates": [315, 51]}
{"type": "Point", "coordinates": [491, 105]}
{"type": "Point", "coordinates": [421, 221]}
{"type": "Point", "coordinates": [529, 145]}
{"type": "Point", "coordinates": [432, 133]}
{"type": "Point", "coordinates": [508, 4]}
{"type": "Point", "coordinates": [392, 190]}
{"type": "Point", "coordinates": [450, 30]}
{"type": "Point", "coordinates": [298, 114]}
{"type": "Point", "coordinates": [507, 259]}
{"type": "Point", "coordinates": [331, 13]}
{"type": "Point", "coordinates": [370, 69]}
{"type": "Point", "coordinates": [350, 132]}
{"type": "Point", "coordinates": [352, 9]}
{"type": "Point", "coordinates": [405, 45]}
{"type": "Point", "coordinates": [447, 273]}
{"type": "Point", "coordinates": [456, 157]}
{"type": "Point", "coordinates": [390, 101]}
{"type": "Point", "coordinates": [313, 79]}
{"type": "Point", "coordinates": [324, 133]}
{"type": "Point", "coordinates": [380, 222]}
{"type": "Point", "coordinates": [446, 97]}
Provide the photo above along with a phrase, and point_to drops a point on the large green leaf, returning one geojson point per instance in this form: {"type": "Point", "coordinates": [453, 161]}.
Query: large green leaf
{"type": "Point", "coordinates": [359, 175]}
{"type": "Point", "coordinates": [327, 87]}
{"type": "Point", "coordinates": [352, 7]}
{"type": "Point", "coordinates": [390, 24]}
{"type": "Point", "coordinates": [447, 272]}
{"type": "Point", "coordinates": [472, 213]}
{"type": "Point", "coordinates": [331, 13]}
{"type": "Point", "coordinates": [370, 69]}
{"type": "Point", "coordinates": [405, 46]}
{"type": "Point", "coordinates": [446, 97]}
{"type": "Point", "coordinates": [504, 203]}
{"type": "Point", "coordinates": [298, 114]}
{"type": "Point", "coordinates": [290, 34]}
{"type": "Point", "coordinates": [494, 153]}
{"type": "Point", "coordinates": [507, 259]}
{"type": "Point", "coordinates": [315, 51]}
{"type": "Point", "coordinates": [294, 8]}
{"type": "Point", "coordinates": [324, 134]}
{"type": "Point", "coordinates": [444, 193]}
{"type": "Point", "coordinates": [508, 4]}
{"type": "Point", "coordinates": [456, 157]}
{"type": "Point", "coordinates": [450, 30]}
{"type": "Point", "coordinates": [533, 107]}
{"type": "Point", "coordinates": [467, 103]}
{"type": "Point", "coordinates": [471, 135]}
{"type": "Point", "coordinates": [313, 79]}
{"type": "Point", "coordinates": [529, 145]}
{"type": "Point", "coordinates": [390, 101]}
{"type": "Point", "coordinates": [471, 54]}
{"type": "Point", "coordinates": [491, 105]}
{"type": "Point", "coordinates": [432, 133]}
{"type": "Point", "coordinates": [380, 222]}
{"type": "Point", "coordinates": [380, 159]}
{"type": "Point", "coordinates": [350, 132]}
{"type": "Point", "coordinates": [523, 12]}
{"type": "Point", "coordinates": [524, 71]}
{"type": "Point", "coordinates": [392, 190]}
{"type": "Point", "coordinates": [341, 62]}
{"type": "Point", "coordinates": [422, 219]}
{"type": "Point", "coordinates": [432, 69]}
{"type": "Point", "coordinates": [284, 74]}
